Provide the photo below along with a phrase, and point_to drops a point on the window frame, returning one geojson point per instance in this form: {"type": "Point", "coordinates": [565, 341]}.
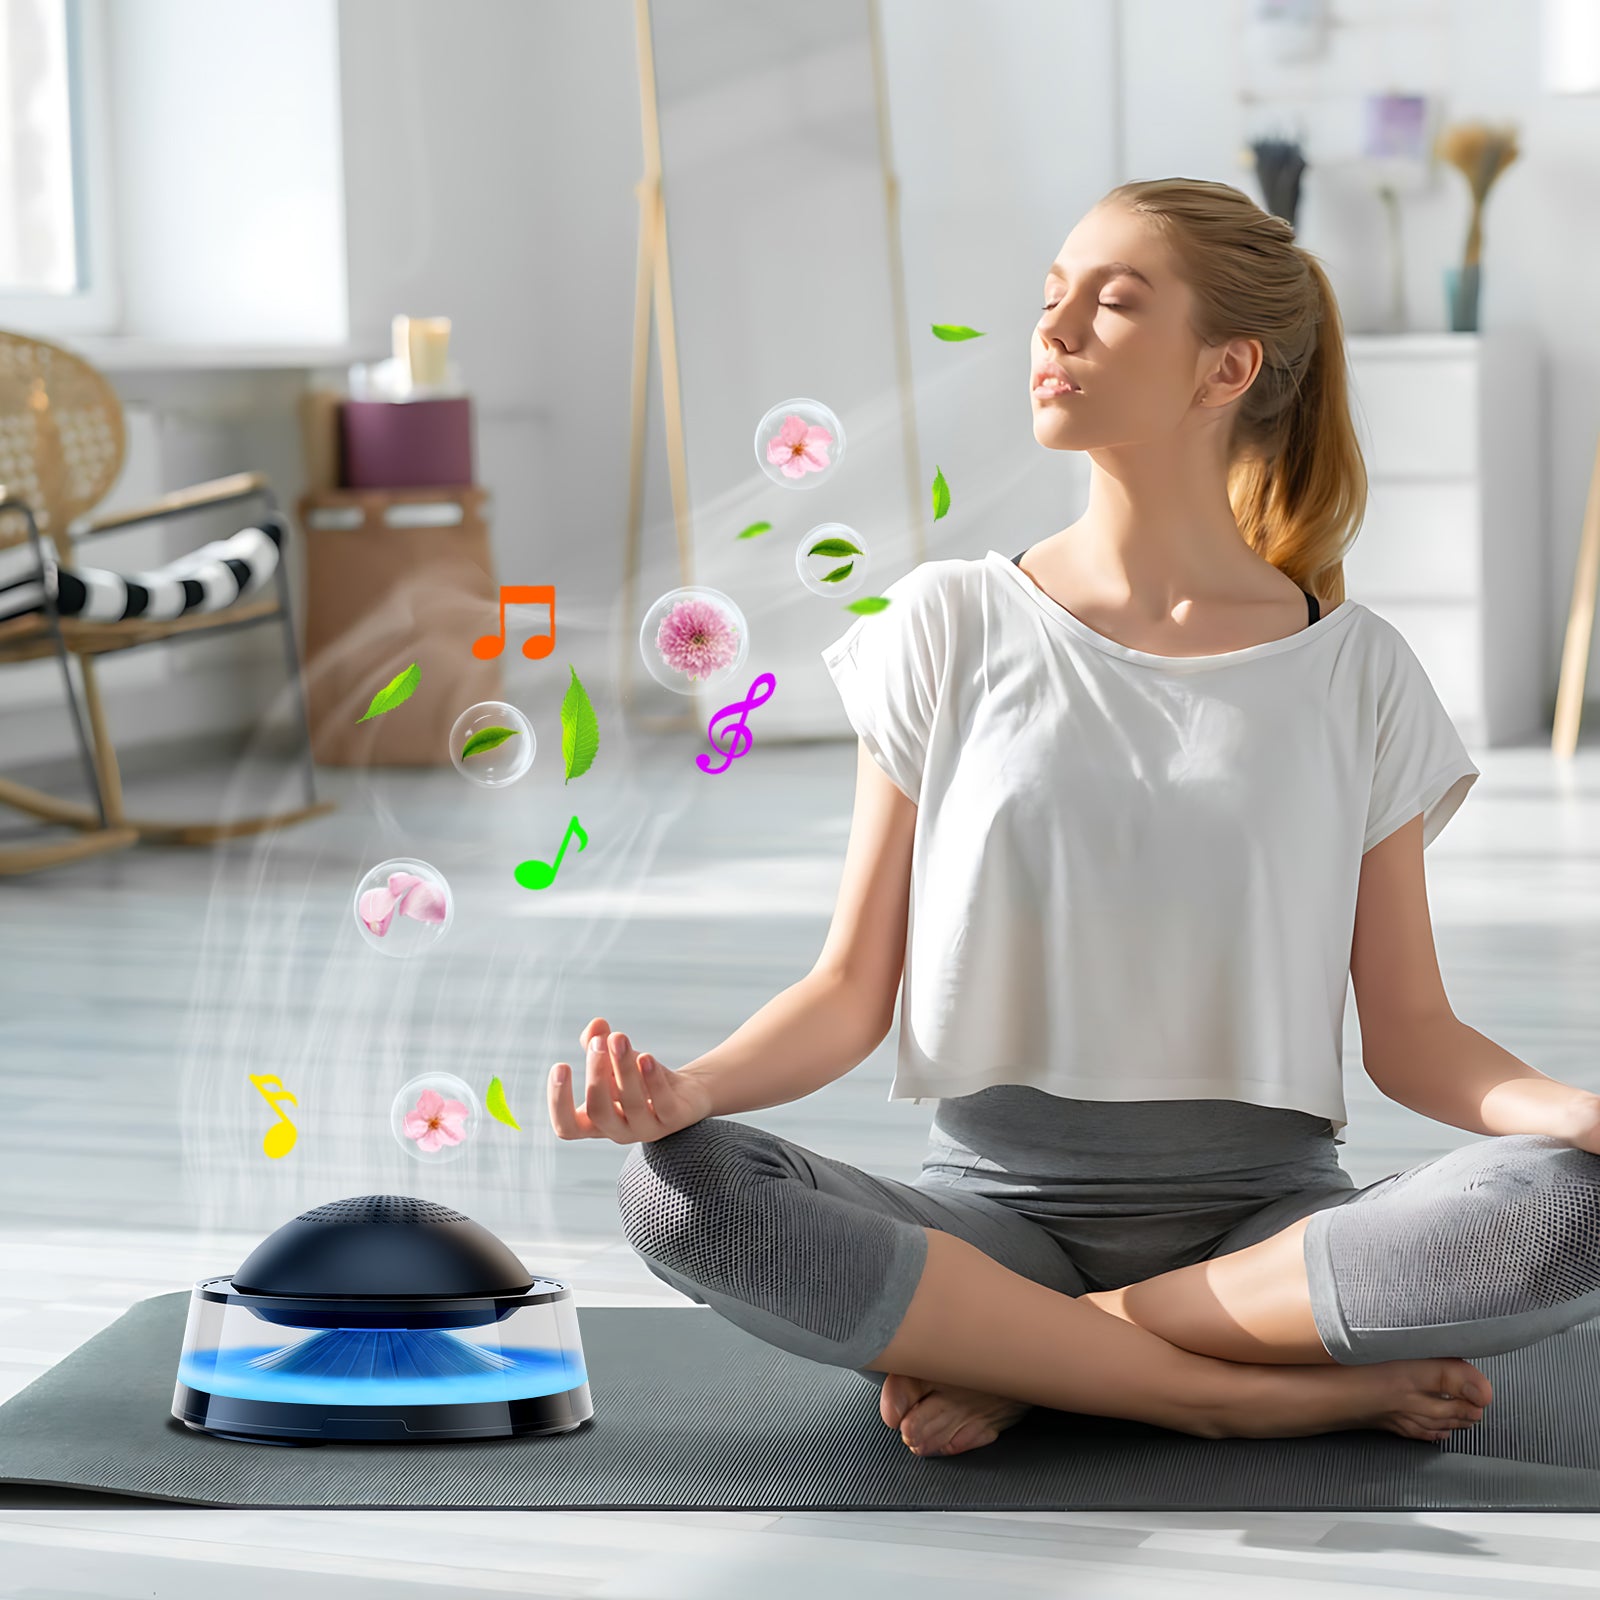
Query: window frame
{"type": "Point", "coordinates": [96, 307]}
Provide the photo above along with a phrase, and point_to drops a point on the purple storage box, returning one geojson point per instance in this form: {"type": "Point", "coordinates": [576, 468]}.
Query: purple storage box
{"type": "Point", "coordinates": [407, 444]}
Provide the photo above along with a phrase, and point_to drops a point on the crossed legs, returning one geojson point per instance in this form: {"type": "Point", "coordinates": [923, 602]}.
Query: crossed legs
{"type": "Point", "coordinates": [842, 1266]}
{"type": "Point", "coordinates": [1490, 1247]}
{"type": "Point", "coordinates": [1251, 1305]}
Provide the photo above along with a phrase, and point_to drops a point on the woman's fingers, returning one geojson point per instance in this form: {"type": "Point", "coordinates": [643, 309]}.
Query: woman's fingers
{"type": "Point", "coordinates": [608, 1096]}
{"type": "Point", "coordinates": [636, 1110]}
{"type": "Point", "coordinates": [601, 1093]}
{"type": "Point", "coordinates": [598, 1033]}
{"type": "Point", "coordinates": [568, 1121]}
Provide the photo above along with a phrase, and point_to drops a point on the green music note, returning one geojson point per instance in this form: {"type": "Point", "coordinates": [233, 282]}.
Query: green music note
{"type": "Point", "coordinates": [541, 874]}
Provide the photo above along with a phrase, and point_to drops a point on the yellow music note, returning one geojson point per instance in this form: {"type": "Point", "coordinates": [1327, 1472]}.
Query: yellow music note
{"type": "Point", "coordinates": [541, 874]}
{"type": "Point", "coordinates": [280, 1137]}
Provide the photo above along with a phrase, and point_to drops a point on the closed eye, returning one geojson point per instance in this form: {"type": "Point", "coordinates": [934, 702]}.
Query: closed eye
{"type": "Point", "coordinates": [1110, 305]}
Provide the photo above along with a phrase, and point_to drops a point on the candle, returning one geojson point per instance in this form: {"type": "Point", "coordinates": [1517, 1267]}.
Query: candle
{"type": "Point", "coordinates": [422, 349]}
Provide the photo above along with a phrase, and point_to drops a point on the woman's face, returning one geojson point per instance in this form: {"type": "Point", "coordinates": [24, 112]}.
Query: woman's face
{"type": "Point", "coordinates": [1114, 318]}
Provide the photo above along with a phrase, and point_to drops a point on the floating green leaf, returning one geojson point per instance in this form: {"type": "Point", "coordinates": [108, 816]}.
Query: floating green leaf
{"type": "Point", "coordinates": [580, 730]}
{"type": "Point", "coordinates": [941, 495]}
{"type": "Point", "coordinates": [395, 692]}
{"type": "Point", "coordinates": [866, 606]}
{"type": "Point", "coordinates": [954, 330]}
{"type": "Point", "coordinates": [840, 573]}
{"type": "Point", "coordinates": [755, 528]}
{"type": "Point", "coordinates": [486, 739]}
{"type": "Point", "coordinates": [494, 1102]}
{"type": "Point", "coordinates": [834, 547]}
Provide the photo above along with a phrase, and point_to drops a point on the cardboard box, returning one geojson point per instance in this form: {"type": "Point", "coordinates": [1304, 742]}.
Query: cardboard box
{"type": "Point", "coordinates": [392, 577]}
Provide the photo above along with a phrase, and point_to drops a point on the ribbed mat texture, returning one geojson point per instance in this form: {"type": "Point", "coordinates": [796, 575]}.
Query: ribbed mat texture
{"type": "Point", "coordinates": [694, 1413]}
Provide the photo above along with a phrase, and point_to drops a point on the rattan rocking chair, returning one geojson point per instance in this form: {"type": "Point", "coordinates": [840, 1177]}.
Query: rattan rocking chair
{"type": "Point", "coordinates": [62, 445]}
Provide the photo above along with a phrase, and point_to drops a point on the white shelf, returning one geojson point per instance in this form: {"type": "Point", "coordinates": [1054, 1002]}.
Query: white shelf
{"type": "Point", "coordinates": [1450, 549]}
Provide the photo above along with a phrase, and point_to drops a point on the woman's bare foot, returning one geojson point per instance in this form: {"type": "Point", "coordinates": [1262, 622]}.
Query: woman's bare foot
{"type": "Point", "coordinates": [1418, 1399]}
{"type": "Point", "coordinates": [940, 1419]}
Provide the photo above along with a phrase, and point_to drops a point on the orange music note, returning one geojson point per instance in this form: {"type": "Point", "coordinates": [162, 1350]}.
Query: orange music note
{"type": "Point", "coordinates": [536, 647]}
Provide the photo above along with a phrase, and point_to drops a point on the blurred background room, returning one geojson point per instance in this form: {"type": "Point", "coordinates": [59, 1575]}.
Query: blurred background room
{"type": "Point", "coordinates": [372, 375]}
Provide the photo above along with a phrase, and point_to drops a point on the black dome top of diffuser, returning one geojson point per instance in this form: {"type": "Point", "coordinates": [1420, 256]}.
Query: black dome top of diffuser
{"type": "Point", "coordinates": [382, 1246]}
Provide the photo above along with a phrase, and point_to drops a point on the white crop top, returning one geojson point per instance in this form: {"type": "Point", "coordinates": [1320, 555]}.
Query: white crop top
{"type": "Point", "coordinates": [1134, 876]}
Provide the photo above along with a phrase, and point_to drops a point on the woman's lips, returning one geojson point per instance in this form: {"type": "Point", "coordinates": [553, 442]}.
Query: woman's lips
{"type": "Point", "coordinates": [1053, 388]}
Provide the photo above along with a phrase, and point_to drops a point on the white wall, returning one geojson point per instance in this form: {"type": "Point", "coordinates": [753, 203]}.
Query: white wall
{"type": "Point", "coordinates": [490, 156]}
{"type": "Point", "coordinates": [522, 227]}
{"type": "Point", "coordinates": [1541, 228]}
{"type": "Point", "coordinates": [490, 152]}
{"type": "Point", "coordinates": [226, 132]}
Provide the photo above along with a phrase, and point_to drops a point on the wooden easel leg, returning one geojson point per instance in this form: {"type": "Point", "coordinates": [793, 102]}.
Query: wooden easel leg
{"type": "Point", "coordinates": [1580, 624]}
{"type": "Point", "coordinates": [652, 272]}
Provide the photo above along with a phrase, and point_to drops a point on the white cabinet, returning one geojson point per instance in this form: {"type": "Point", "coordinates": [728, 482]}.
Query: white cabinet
{"type": "Point", "coordinates": [1452, 548]}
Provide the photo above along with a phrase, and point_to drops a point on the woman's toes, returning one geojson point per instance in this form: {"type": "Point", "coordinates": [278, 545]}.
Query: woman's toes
{"type": "Point", "coordinates": [970, 1437]}
{"type": "Point", "coordinates": [945, 1422]}
{"type": "Point", "coordinates": [897, 1395]}
{"type": "Point", "coordinates": [928, 1423]}
{"type": "Point", "coordinates": [1458, 1377]}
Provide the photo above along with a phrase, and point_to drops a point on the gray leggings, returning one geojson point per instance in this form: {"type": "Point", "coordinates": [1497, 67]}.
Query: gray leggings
{"type": "Point", "coordinates": [1489, 1248]}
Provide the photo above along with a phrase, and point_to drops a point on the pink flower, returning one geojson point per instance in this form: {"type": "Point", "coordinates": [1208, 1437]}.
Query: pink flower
{"type": "Point", "coordinates": [425, 903]}
{"type": "Point", "coordinates": [798, 447]}
{"type": "Point", "coordinates": [435, 1121]}
{"type": "Point", "coordinates": [408, 894]}
{"type": "Point", "coordinates": [696, 638]}
{"type": "Point", "coordinates": [377, 909]}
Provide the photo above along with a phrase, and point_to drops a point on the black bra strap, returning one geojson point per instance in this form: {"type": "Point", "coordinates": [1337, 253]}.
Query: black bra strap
{"type": "Point", "coordinates": [1313, 609]}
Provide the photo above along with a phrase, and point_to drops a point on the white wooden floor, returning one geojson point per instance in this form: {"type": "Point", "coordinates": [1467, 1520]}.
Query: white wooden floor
{"type": "Point", "coordinates": [139, 990]}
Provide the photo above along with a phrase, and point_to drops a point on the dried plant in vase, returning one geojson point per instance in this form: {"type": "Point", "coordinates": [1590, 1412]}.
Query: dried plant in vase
{"type": "Point", "coordinates": [1480, 151]}
{"type": "Point", "coordinates": [1279, 164]}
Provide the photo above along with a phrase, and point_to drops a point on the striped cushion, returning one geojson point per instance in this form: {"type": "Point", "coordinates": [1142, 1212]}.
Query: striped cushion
{"type": "Point", "coordinates": [215, 576]}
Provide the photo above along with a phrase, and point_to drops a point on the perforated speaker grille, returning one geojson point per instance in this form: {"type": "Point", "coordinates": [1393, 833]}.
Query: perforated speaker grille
{"type": "Point", "coordinates": [381, 1208]}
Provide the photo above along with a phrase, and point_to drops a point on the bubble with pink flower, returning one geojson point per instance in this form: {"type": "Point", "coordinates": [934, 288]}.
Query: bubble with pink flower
{"type": "Point", "coordinates": [693, 638]}
{"type": "Point", "coordinates": [435, 1116]}
{"type": "Point", "coordinates": [403, 907]}
{"type": "Point", "coordinates": [799, 443]}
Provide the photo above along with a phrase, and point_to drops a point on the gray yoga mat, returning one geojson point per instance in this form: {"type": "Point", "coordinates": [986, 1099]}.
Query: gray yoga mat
{"type": "Point", "coordinates": [694, 1413]}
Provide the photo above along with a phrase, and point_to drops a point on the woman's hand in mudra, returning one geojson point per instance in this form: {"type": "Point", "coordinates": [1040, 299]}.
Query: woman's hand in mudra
{"type": "Point", "coordinates": [627, 1097]}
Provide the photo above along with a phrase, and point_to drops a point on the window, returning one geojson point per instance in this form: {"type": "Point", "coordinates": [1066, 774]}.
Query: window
{"type": "Point", "coordinates": [55, 256]}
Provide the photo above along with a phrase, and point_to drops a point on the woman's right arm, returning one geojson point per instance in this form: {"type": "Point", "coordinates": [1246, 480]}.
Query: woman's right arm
{"type": "Point", "coordinates": [818, 1029]}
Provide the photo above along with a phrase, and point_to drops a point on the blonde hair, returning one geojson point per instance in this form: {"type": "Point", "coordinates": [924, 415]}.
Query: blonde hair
{"type": "Point", "coordinates": [1296, 480]}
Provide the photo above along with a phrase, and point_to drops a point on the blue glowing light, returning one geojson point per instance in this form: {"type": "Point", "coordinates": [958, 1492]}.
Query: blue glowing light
{"type": "Point", "coordinates": [341, 1366]}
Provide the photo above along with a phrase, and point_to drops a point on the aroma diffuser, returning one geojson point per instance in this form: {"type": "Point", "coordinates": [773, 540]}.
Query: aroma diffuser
{"type": "Point", "coordinates": [381, 1317]}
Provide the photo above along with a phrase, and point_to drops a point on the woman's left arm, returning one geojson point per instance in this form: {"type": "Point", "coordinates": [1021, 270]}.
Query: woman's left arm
{"type": "Point", "coordinates": [1413, 1046]}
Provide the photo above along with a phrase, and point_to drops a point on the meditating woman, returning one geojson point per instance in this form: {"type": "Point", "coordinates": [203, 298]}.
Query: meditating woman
{"type": "Point", "coordinates": [1133, 808]}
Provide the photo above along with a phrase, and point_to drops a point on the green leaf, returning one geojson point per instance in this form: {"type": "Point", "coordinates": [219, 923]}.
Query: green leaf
{"type": "Point", "coordinates": [840, 573]}
{"type": "Point", "coordinates": [941, 495]}
{"type": "Point", "coordinates": [834, 547]}
{"type": "Point", "coordinates": [494, 1102]}
{"type": "Point", "coordinates": [580, 729]}
{"type": "Point", "coordinates": [395, 692]}
{"type": "Point", "coordinates": [866, 606]}
{"type": "Point", "coordinates": [486, 739]}
{"type": "Point", "coordinates": [755, 528]}
{"type": "Point", "coordinates": [952, 331]}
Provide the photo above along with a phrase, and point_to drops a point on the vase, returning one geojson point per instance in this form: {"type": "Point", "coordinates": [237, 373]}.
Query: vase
{"type": "Point", "coordinates": [1461, 298]}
